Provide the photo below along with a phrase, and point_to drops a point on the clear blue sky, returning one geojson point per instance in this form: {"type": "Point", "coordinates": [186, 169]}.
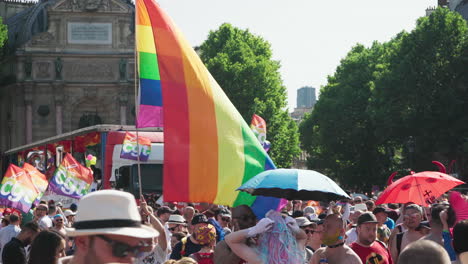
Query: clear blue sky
{"type": "Point", "coordinates": [308, 37]}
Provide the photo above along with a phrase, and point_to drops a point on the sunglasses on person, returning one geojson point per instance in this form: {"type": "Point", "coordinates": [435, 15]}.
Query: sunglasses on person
{"type": "Point", "coordinates": [58, 220]}
{"type": "Point", "coordinates": [226, 219]}
{"type": "Point", "coordinates": [413, 215]}
{"type": "Point", "coordinates": [307, 231]}
{"type": "Point", "coordinates": [121, 249]}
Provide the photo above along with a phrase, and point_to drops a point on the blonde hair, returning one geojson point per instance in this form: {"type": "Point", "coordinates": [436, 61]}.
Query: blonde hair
{"type": "Point", "coordinates": [186, 260]}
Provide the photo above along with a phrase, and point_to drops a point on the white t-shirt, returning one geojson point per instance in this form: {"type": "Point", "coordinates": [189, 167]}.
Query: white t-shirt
{"type": "Point", "coordinates": [351, 236]}
{"type": "Point", "coordinates": [157, 256]}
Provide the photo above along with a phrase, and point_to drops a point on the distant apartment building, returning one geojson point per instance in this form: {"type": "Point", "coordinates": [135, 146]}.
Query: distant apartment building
{"type": "Point", "coordinates": [306, 100]}
{"type": "Point", "coordinates": [306, 97]}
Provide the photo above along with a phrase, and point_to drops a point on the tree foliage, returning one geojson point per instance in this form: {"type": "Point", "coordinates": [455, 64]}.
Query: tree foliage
{"type": "Point", "coordinates": [3, 33]}
{"type": "Point", "coordinates": [243, 66]}
{"type": "Point", "coordinates": [413, 86]}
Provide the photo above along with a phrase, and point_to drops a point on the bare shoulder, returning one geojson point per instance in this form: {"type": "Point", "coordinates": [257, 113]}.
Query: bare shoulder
{"type": "Point", "coordinates": [317, 255]}
{"type": "Point", "coordinates": [320, 250]}
{"type": "Point", "coordinates": [223, 254]}
{"type": "Point", "coordinates": [352, 257]}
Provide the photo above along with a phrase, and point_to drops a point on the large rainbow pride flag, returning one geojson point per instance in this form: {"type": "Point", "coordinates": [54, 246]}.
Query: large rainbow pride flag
{"type": "Point", "coordinates": [209, 150]}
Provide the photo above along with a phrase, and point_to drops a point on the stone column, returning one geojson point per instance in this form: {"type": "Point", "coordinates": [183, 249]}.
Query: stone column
{"type": "Point", "coordinates": [58, 94]}
{"type": "Point", "coordinates": [20, 75]}
{"type": "Point", "coordinates": [28, 98]}
{"type": "Point", "coordinates": [123, 100]}
{"type": "Point", "coordinates": [58, 119]}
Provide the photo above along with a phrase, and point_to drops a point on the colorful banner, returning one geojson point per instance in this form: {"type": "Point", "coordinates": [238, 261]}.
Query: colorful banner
{"type": "Point", "coordinates": [81, 142]}
{"type": "Point", "coordinates": [258, 126]}
{"type": "Point", "coordinates": [209, 150]}
{"type": "Point", "coordinates": [71, 178]}
{"type": "Point", "coordinates": [130, 148]}
{"type": "Point", "coordinates": [17, 189]}
{"type": "Point", "coordinates": [38, 179]}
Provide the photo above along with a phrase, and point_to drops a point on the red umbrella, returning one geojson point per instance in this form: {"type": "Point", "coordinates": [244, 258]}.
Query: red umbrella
{"type": "Point", "coordinates": [420, 188]}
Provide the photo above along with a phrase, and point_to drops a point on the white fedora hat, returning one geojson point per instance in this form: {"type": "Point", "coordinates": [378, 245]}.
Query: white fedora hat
{"type": "Point", "coordinates": [176, 219]}
{"type": "Point", "coordinates": [109, 212]}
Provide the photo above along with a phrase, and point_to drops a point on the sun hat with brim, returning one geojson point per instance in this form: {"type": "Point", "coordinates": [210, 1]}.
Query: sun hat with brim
{"type": "Point", "coordinates": [69, 212]}
{"type": "Point", "coordinates": [176, 220]}
{"type": "Point", "coordinates": [303, 221]}
{"type": "Point", "coordinates": [109, 212]}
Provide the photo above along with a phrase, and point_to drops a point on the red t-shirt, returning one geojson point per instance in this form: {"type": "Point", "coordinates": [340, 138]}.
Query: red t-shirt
{"type": "Point", "coordinates": [375, 254]}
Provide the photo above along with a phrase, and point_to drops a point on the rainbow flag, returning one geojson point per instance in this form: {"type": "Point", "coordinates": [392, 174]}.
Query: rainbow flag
{"type": "Point", "coordinates": [38, 179]}
{"type": "Point", "coordinates": [258, 126]}
{"type": "Point", "coordinates": [17, 189]}
{"type": "Point", "coordinates": [71, 178]}
{"type": "Point", "coordinates": [209, 150]}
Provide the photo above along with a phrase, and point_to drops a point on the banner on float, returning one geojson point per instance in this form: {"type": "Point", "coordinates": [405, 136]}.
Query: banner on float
{"type": "Point", "coordinates": [258, 126]}
{"type": "Point", "coordinates": [38, 179]}
{"type": "Point", "coordinates": [17, 189]}
{"type": "Point", "coordinates": [130, 148]}
{"type": "Point", "coordinates": [71, 179]}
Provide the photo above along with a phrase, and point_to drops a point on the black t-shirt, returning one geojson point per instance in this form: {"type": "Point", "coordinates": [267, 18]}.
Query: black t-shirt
{"type": "Point", "coordinates": [190, 248]}
{"type": "Point", "coordinates": [13, 252]}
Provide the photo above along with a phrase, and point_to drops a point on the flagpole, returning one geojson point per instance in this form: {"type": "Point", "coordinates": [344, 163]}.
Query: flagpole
{"type": "Point", "coordinates": [136, 102]}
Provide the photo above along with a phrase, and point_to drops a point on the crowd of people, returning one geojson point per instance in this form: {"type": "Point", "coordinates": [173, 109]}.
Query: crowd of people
{"type": "Point", "coordinates": [109, 227]}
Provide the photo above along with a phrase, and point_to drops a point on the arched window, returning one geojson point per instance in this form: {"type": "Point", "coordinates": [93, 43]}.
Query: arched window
{"type": "Point", "coordinates": [89, 119]}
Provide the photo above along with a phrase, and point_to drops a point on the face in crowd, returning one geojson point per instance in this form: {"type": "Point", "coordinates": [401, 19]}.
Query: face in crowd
{"type": "Point", "coordinates": [224, 220]}
{"type": "Point", "coordinates": [381, 217]}
{"type": "Point", "coordinates": [102, 249]}
{"type": "Point", "coordinates": [41, 211]}
{"type": "Point", "coordinates": [315, 234]}
{"type": "Point", "coordinates": [333, 230]}
{"type": "Point", "coordinates": [178, 228]}
{"type": "Point", "coordinates": [189, 212]}
{"type": "Point", "coordinates": [58, 221]}
{"type": "Point", "coordinates": [71, 219]}
{"type": "Point", "coordinates": [367, 233]}
{"type": "Point", "coordinates": [412, 218]}
{"type": "Point", "coordinates": [243, 217]}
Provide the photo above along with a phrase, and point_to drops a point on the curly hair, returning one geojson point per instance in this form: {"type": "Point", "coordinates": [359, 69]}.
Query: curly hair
{"type": "Point", "coordinates": [44, 247]}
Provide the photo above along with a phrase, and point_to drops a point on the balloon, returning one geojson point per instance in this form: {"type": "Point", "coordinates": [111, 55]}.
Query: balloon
{"type": "Point", "coordinates": [37, 159]}
{"type": "Point", "coordinates": [89, 157]}
{"type": "Point", "coordinates": [93, 161]}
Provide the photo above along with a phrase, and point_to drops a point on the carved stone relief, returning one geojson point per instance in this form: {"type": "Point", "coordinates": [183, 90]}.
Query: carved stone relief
{"type": "Point", "coordinates": [44, 38]}
{"type": "Point", "coordinates": [43, 70]}
{"type": "Point", "coordinates": [90, 71]}
{"type": "Point", "coordinates": [91, 6]}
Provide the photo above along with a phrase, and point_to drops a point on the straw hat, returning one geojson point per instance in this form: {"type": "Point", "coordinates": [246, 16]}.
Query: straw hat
{"type": "Point", "coordinates": [109, 212]}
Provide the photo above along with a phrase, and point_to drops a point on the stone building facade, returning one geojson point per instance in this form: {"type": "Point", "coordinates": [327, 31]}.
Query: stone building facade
{"type": "Point", "coordinates": [69, 64]}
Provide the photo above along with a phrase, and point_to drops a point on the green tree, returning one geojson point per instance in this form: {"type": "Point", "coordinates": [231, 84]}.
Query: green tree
{"type": "Point", "coordinates": [424, 93]}
{"type": "Point", "coordinates": [3, 33]}
{"type": "Point", "coordinates": [242, 64]}
{"type": "Point", "coordinates": [414, 86]}
{"type": "Point", "coordinates": [339, 134]}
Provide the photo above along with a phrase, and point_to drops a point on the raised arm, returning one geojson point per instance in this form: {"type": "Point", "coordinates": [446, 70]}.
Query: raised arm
{"type": "Point", "coordinates": [301, 236]}
{"type": "Point", "coordinates": [162, 240]}
{"type": "Point", "coordinates": [236, 241]}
